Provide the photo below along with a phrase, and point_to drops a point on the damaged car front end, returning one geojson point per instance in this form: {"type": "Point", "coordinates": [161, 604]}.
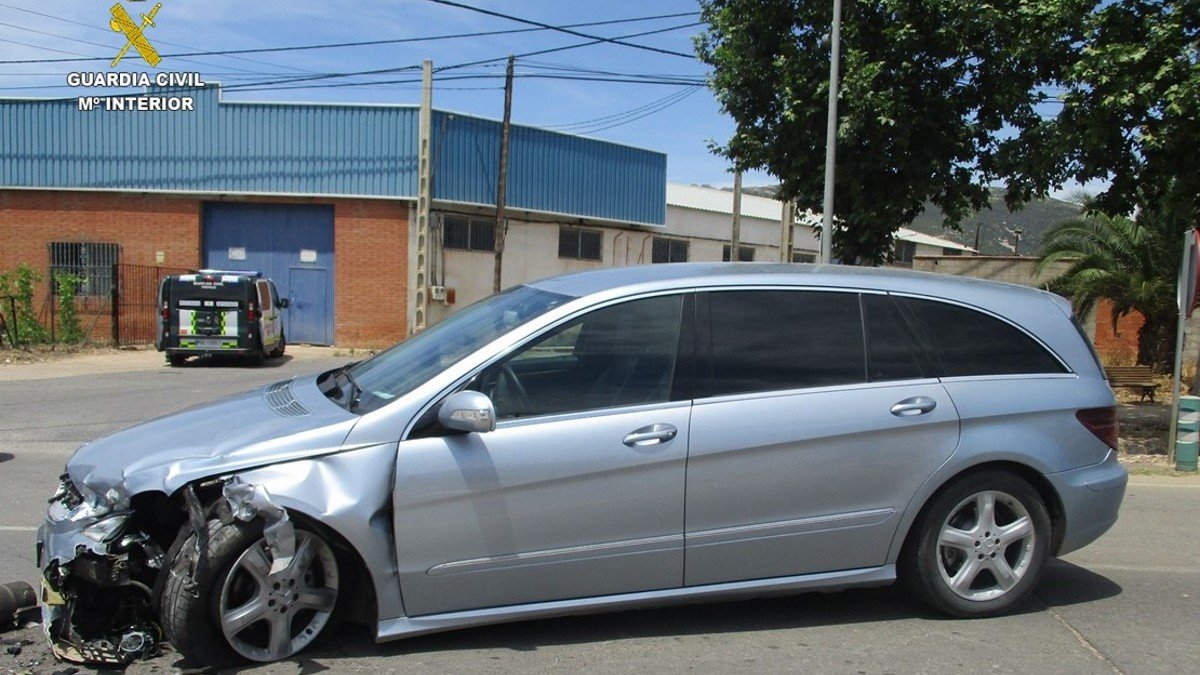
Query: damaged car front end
{"type": "Point", "coordinates": [99, 572]}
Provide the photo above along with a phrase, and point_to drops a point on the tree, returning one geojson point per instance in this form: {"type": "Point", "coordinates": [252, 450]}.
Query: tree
{"type": "Point", "coordinates": [1134, 264]}
{"type": "Point", "coordinates": [1131, 112]}
{"type": "Point", "coordinates": [936, 97]}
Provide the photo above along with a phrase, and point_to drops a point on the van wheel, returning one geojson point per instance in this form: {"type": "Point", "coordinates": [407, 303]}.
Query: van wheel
{"type": "Point", "coordinates": [234, 609]}
{"type": "Point", "coordinates": [981, 546]}
{"type": "Point", "coordinates": [279, 348]}
{"type": "Point", "coordinates": [175, 359]}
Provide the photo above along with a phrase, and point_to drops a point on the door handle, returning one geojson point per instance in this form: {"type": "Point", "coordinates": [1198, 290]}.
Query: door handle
{"type": "Point", "coordinates": [917, 405]}
{"type": "Point", "coordinates": [655, 433]}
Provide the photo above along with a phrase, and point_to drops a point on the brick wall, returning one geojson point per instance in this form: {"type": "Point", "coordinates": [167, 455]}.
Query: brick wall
{"type": "Point", "coordinates": [1116, 347]}
{"type": "Point", "coordinates": [370, 249]}
{"type": "Point", "coordinates": [143, 225]}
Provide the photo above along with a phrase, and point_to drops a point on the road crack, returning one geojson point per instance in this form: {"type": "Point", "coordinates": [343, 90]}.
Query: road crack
{"type": "Point", "coordinates": [1087, 644]}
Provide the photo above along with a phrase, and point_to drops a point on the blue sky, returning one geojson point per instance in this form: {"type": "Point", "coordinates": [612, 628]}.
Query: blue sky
{"type": "Point", "coordinates": [688, 119]}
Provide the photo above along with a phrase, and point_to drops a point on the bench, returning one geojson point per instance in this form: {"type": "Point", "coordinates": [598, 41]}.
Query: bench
{"type": "Point", "coordinates": [1134, 377]}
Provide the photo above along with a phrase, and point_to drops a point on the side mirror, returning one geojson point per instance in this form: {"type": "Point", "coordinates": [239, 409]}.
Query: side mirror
{"type": "Point", "coordinates": [282, 303]}
{"type": "Point", "coordinates": [468, 411]}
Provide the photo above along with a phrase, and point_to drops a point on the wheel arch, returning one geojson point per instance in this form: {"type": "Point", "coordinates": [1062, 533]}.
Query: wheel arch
{"type": "Point", "coordinates": [1036, 479]}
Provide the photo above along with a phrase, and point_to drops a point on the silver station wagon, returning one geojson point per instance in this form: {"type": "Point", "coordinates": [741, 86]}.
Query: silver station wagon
{"type": "Point", "coordinates": [605, 440]}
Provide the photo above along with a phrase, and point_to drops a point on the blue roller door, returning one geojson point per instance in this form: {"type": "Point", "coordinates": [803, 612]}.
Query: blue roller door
{"type": "Point", "coordinates": [290, 243]}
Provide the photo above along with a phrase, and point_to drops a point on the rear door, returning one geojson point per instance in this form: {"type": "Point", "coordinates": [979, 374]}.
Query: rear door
{"type": "Point", "coordinates": [817, 426]}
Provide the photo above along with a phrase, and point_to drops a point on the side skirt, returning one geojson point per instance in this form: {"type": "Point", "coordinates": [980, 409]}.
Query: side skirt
{"type": "Point", "coordinates": [402, 627]}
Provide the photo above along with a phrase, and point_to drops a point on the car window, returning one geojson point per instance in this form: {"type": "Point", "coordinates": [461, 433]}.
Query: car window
{"type": "Point", "coordinates": [777, 340]}
{"type": "Point", "coordinates": [620, 355]}
{"type": "Point", "coordinates": [264, 296]}
{"type": "Point", "coordinates": [968, 342]}
{"type": "Point", "coordinates": [892, 353]}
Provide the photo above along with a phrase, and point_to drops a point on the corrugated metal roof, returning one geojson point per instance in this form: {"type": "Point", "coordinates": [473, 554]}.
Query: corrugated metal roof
{"type": "Point", "coordinates": [323, 150]}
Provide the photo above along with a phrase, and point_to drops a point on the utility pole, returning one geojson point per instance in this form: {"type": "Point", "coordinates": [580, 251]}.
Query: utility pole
{"type": "Point", "coordinates": [420, 275]}
{"type": "Point", "coordinates": [835, 49]}
{"type": "Point", "coordinates": [785, 235]}
{"type": "Point", "coordinates": [736, 240]}
{"type": "Point", "coordinates": [502, 179]}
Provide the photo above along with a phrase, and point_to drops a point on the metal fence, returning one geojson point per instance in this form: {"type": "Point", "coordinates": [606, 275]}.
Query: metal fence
{"type": "Point", "coordinates": [135, 309]}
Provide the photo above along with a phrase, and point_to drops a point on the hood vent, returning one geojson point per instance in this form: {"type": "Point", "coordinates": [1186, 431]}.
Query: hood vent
{"type": "Point", "coordinates": [279, 397]}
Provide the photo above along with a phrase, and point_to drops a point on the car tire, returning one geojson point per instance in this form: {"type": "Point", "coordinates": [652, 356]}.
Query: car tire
{"type": "Point", "coordinates": [979, 547]}
{"type": "Point", "coordinates": [175, 360]}
{"type": "Point", "coordinates": [279, 348]}
{"type": "Point", "coordinates": [220, 606]}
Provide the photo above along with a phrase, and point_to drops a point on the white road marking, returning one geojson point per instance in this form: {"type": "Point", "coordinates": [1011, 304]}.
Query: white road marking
{"type": "Point", "coordinates": [17, 528]}
{"type": "Point", "coordinates": [1142, 568]}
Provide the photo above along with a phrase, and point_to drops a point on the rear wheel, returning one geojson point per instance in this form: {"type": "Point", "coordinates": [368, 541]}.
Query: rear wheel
{"type": "Point", "coordinates": [279, 348]}
{"type": "Point", "coordinates": [237, 608]}
{"type": "Point", "coordinates": [981, 546]}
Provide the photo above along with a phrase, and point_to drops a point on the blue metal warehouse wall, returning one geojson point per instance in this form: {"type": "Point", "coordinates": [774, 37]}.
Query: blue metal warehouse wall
{"type": "Point", "coordinates": [548, 171]}
{"type": "Point", "coordinates": [321, 149]}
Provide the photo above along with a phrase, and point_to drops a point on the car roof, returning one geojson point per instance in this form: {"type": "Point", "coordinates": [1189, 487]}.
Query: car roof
{"type": "Point", "coordinates": [683, 275]}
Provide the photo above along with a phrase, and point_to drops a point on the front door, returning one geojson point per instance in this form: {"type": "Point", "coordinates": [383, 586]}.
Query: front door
{"type": "Point", "coordinates": [308, 306]}
{"type": "Point", "coordinates": [579, 490]}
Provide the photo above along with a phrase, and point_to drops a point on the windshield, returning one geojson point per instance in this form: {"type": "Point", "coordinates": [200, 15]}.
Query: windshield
{"type": "Point", "coordinates": [406, 366]}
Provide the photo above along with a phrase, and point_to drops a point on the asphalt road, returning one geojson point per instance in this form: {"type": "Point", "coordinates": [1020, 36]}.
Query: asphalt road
{"type": "Point", "coordinates": [1127, 603]}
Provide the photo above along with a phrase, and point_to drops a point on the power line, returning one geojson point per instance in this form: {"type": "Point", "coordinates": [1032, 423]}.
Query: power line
{"type": "Point", "coordinates": [562, 29]}
{"type": "Point", "coordinates": [339, 45]}
{"type": "Point", "coordinates": [596, 121]}
{"type": "Point", "coordinates": [267, 86]}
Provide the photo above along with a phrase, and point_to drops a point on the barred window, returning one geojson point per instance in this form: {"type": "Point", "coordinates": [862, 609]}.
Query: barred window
{"type": "Point", "coordinates": [803, 257]}
{"type": "Point", "coordinates": [91, 262]}
{"type": "Point", "coordinates": [468, 234]}
{"type": "Point", "coordinates": [745, 253]}
{"type": "Point", "coordinates": [664, 250]}
{"type": "Point", "coordinates": [578, 244]}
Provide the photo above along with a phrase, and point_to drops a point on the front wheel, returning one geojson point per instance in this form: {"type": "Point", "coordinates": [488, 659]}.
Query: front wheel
{"type": "Point", "coordinates": [981, 546]}
{"type": "Point", "coordinates": [234, 607]}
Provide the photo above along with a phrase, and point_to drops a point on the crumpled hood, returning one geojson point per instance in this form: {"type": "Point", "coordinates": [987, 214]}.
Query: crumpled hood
{"type": "Point", "coordinates": [281, 422]}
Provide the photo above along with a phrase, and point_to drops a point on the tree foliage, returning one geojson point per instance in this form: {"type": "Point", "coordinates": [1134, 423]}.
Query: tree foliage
{"type": "Point", "coordinates": [1131, 111]}
{"type": "Point", "coordinates": [1133, 264]}
{"type": "Point", "coordinates": [936, 98]}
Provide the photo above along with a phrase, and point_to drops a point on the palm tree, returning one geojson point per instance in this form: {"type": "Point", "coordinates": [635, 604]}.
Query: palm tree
{"type": "Point", "coordinates": [1132, 263]}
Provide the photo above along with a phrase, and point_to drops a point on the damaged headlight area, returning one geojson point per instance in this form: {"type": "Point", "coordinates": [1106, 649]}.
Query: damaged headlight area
{"type": "Point", "coordinates": [99, 571]}
{"type": "Point", "coordinates": [109, 560]}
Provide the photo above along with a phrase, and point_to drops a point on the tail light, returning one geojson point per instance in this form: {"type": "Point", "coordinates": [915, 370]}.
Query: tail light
{"type": "Point", "coordinates": [252, 313]}
{"type": "Point", "coordinates": [1102, 422]}
{"type": "Point", "coordinates": [166, 313]}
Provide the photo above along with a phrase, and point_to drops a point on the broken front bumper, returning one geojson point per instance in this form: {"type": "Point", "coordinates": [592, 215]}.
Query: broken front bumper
{"type": "Point", "coordinates": [97, 580]}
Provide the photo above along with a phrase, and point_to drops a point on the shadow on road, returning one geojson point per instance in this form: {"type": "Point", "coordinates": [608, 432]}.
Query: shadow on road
{"type": "Point", "coordinates": [5, 456]}
{"type": "Point", "coordinates": [229, 361]}
{"type": "Point", "coordinates": [1062, 584]}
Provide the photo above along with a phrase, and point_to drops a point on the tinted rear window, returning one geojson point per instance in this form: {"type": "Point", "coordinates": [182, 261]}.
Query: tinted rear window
{"type": "Point", "coordinates": [968, 342]}
{"type": "Point", "coordinates": [776, 340]}
{"type": "Point", "coordinates": [209, 290]}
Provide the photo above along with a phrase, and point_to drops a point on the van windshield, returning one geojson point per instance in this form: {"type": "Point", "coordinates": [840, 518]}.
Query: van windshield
{"type": "Point", "coordinates": [402, 368]}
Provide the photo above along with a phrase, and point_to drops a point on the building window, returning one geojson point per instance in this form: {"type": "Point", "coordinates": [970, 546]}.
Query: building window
{"type": "Point", "coordinates": [803, 257]}
{"type": "Point", "coordinates": [578, 244]}
{"type": "Point", "coordinates": [745, 253]}
{"type": "Point", "coordinates": [951, 251]}
{"type": "Point", "coordinates": [663, 250]}
{"type": "Point", "coordinates": [904, 252]}
{"type": "Point", "coordinates": [91, 262]}
{"type": "Point", "coordinates": [468, 234]}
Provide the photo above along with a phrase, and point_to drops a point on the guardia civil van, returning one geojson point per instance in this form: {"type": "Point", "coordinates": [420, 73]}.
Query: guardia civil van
{"type": "Point", "coordinates": [216, 312]}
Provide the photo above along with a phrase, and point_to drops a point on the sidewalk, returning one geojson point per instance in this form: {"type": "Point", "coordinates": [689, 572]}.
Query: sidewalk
{"type": "Point", "coordinates": [107, 360]}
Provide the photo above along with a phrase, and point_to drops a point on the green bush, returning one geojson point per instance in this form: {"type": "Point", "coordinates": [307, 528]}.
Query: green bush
{"type": "Point", "coordinates": [19, 283]}
{"type": "Point", "coordinates": [65, 287]}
